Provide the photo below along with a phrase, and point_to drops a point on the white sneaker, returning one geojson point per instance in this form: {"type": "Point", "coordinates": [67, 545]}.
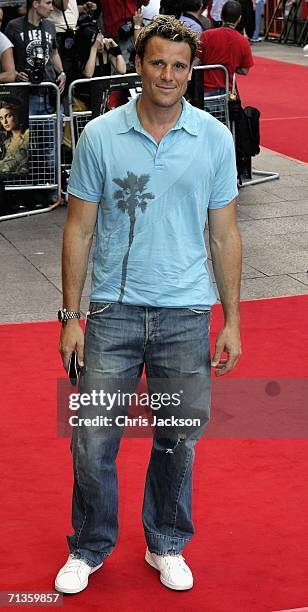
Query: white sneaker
{"type": "Point", "coordinates": [73, 576]}
{"type": "Point", "coordinates": [174, 572]}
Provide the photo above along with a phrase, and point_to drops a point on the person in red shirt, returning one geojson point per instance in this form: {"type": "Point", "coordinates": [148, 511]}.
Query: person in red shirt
{"type": "Point", "coordinates": [119, 25]}
{"type": "Point", "coordinates": [225, 46]}
{"type": "Point", "coordinates": [117, 13]}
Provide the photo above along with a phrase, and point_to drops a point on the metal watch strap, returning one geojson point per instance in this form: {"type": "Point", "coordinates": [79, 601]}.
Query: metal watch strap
{"type": "Point", "coordinates": [72, 314]}
{"type": "Point", "coordinates": [64, 315]}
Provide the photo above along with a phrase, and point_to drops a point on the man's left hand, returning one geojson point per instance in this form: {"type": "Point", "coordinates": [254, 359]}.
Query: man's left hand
{"type": "Point", "coordinates": [229, 342]}
{"type": "Point", "coordinates": [61, 81]}
{"type": "Point", "coordinates": [138, 18]}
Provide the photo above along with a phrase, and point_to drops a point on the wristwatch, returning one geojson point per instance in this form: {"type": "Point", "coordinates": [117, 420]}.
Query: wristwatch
{"type": "Point", "coordinates": [64, 315]}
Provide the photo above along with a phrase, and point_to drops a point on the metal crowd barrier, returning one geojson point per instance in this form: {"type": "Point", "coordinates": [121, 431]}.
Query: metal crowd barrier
{"type": "Point", "coordinates": [132, 82]}
{"type": "Point", "coordinates": [217, 106]}
{"type": "Point", "coordinates": [79, 119]}
{"type": "Point", "coordinates": [222, 113]}
{"type": "Point", "coordinates": [256, 176]}
{"type": "Point", "coordinates": [44, 133]}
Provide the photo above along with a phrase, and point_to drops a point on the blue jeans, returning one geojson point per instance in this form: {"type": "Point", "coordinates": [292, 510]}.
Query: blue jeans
{"type": "Point", "coordinates": [119, 340]}
{"type": "Point", "coordinates": [258, 16]}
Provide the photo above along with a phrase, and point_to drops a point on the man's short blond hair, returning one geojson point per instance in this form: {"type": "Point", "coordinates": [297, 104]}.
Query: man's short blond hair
{"type": "Point", "coordinates": [169, 28]}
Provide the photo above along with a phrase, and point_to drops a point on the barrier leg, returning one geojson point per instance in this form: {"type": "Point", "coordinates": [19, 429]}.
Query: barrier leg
{"type": "Point", "coordinates": [264, 177]}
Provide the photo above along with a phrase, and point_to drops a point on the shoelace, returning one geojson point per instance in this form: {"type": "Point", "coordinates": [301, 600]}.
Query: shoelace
{"type": "Point", "coordinates": [179, 560]}
{"type": "Point", "coordinates": [74, 563]}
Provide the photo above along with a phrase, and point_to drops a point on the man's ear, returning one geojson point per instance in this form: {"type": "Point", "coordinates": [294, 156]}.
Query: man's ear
{"type": "Point", "coordinates": [138, 65]}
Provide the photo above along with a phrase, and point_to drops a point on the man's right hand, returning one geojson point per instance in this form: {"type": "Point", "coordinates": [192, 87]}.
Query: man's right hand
{"type": "Point", "coordinates": [22, 76]}
{"type": "Point", "coordinates": [71, 339]}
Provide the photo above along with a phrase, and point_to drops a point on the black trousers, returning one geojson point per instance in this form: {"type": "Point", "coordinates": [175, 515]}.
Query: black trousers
{"type": "Point", "coordinates": [248, 18]}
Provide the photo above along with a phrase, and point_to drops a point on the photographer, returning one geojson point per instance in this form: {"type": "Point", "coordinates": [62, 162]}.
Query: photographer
{"type": "Point", "coordinates": [102, 54]}
{"type": "Point", "coordinates": [37, 59]}
{"type": "Point", "coordinates": [34, 38]}
{"type": "Point", "coordinates": [97, 57]}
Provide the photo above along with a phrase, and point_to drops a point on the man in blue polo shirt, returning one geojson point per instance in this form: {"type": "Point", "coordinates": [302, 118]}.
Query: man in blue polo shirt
{"type": "Point", "coordinates": [147, 176]}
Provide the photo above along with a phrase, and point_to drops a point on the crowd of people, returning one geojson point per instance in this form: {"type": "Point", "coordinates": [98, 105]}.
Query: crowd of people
{"type": "Point", "coordinates": [104, 35]}
{"type": "Point", "coordinates": [60, 41]}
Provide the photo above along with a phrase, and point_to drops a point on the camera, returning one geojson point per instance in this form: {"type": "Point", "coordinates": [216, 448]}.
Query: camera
{"type": "Point", "coordinates": [100, 37]}
{"type": "Point", "coordinates": [36, 73]}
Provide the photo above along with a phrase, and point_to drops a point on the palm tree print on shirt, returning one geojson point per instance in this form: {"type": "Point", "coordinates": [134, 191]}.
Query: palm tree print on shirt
{"type": "Point", "coordinates": [131, 196]}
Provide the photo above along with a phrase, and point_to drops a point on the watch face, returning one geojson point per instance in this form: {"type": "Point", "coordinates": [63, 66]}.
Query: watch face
{"type": "Point", "coordinates": [60, 315]}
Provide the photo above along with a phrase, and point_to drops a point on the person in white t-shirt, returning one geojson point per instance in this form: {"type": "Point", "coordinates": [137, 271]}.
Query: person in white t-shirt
{"type": "Point", "coordinates": [7, 66]}
{"type": "Point", "coordinates": [150, 11]}
{"type": "Point", "coordinates": [216, 12]}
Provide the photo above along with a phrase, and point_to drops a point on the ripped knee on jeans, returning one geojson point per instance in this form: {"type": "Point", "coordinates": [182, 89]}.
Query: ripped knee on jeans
{"type": "Point", "coordinates": [169, 445]}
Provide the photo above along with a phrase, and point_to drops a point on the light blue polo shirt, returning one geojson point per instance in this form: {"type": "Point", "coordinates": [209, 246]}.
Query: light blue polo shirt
{"type": "Point", "coordinates": [153, 203]}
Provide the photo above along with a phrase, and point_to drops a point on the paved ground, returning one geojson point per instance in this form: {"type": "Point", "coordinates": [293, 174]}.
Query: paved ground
{"type": "Point", "coordinates": [284, 53]}
{"type": "Point", "coordinates": [273, 221]}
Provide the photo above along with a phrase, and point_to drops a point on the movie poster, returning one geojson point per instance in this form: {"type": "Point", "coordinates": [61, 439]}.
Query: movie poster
{"type": "Point", "coordinates": [14, 131]}
{"type": "Point", "coordinates": [102, 90]}
{"type": "Point", "coordinates": [99, 97]}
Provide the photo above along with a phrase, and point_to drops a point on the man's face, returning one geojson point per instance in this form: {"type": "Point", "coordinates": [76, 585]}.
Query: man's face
{"type": "Point", "coordinates": [1, 17]}
{"type": "Point", "coordinates": [165, 71]}
{"type": "Point", "coordinates": [43, 7]}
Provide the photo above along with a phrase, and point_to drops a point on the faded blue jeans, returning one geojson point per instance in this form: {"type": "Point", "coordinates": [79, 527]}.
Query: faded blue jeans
{"type": "Point", "coordinates": [172, 343]}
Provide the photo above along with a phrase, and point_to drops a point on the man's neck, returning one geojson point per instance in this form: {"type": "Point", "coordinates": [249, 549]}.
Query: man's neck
{"type": "Point", "coordinates": [33, 18]}
{"type": "Point", "coordinates": [228, 24]}
{"type": "Point", "coordinates": [195, 14]}
{"type": "Point", "coordinates": [156, 120]}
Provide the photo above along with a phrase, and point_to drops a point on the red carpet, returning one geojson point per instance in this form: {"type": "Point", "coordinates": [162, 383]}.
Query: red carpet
{"type": "Point", "coordinates": [280, 91]}
{"type": "Point", "coordinates": [249, 553]}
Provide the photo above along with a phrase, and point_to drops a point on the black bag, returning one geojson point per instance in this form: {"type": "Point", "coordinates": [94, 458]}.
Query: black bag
{"type": "Point", "coordinates": [66, 39]}
{"type": "Point", "coordinates": [66, 43]}
{"type": "Point", "coordinates": [247, 134]}
{"type": "Point", "coordinates": [247, 131]}
{"type": "Point", "coordinates": [235, 107]}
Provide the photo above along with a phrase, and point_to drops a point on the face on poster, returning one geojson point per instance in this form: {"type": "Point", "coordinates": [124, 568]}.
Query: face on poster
{"type": "Point", "coordinates": [14, 133]}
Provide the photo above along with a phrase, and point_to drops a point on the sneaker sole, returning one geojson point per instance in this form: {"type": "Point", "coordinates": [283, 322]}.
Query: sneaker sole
{"type": "Point", "coordinates": [152, 563]}
{"type": "Point", "coordinates": [81, 588]}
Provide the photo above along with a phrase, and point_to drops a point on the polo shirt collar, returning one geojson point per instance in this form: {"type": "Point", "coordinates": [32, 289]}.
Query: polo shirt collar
{"type": "Point", "coordinates": [130, 120]}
